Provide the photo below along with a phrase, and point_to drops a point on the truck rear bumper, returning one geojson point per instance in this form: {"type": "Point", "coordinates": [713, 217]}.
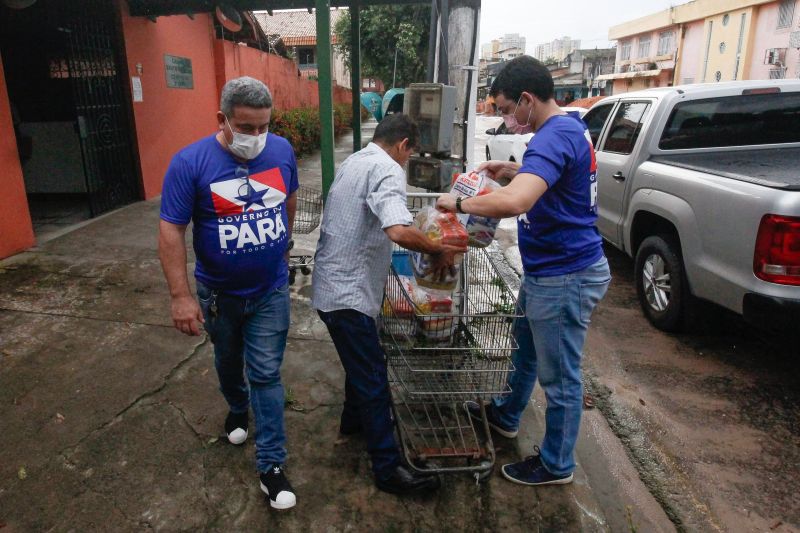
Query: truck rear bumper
{"type": "Point", "coordinates": [770, 312]}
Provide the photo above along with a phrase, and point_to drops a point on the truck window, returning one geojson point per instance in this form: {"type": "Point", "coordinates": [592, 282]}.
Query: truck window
{"type": "Point", "coordinates": [739, 120]}
{"type": "Point", "coordinates": [625, 128]}
{"type": "Point", "coordinates": [595, 119]}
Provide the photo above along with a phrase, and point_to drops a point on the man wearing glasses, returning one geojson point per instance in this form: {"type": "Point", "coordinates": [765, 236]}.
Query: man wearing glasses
{"type": "Point", "coordinates": [553, 192]}
{"type": "Point", "coordinates": [238, 188]}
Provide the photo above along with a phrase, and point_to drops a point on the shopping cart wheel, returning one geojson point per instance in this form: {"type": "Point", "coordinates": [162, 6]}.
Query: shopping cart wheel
{"type": "Point", "coordinates": [305, 270]}
{"type": "Point", "coordinates": [292, 275]}
{"type": "Point", "coordinates": [487, 467]}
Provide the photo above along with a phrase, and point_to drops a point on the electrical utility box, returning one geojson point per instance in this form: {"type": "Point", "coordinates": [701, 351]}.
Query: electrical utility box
{"type": "Point", "coordinates": [431, 173]}
{"type": "Point", "coordinates": [433, 108]}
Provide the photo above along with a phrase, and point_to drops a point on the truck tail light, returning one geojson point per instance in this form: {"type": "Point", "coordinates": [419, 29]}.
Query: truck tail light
{"type": "Point", "coordinates": [777, 255]}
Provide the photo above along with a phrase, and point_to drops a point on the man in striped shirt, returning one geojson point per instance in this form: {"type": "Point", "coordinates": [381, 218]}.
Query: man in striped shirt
{"type": "Point", "coordinates": [365, 212]}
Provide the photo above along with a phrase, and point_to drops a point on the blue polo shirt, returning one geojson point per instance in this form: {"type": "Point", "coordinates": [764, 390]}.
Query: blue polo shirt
{"type": "Point", "coordinates": [240, 228]}
{"type": "Point", "coordinates": [558, 235]}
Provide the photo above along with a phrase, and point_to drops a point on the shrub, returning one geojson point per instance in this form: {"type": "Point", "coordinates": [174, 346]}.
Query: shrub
{"type": "Point", "coordinates": [301, 126]}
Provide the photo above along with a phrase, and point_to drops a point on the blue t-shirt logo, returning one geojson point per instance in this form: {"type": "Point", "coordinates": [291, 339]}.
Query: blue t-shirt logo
{"type": "Point", "coordinates": [246, 210]}
{"type": "Point", "coordinates": [265, 189]}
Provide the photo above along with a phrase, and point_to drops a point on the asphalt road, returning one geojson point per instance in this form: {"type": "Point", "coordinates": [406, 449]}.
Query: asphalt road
{"type": "Point", "coordinates": [709, 418]}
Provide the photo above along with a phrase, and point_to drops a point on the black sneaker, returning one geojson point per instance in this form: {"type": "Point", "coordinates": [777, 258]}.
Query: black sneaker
{"type": "Point", "coordinates": [403, 480]}
{"type": "Point", "coordinates": [236, 427]}
{"type": "Point", "coordinates": [474, 411]}
{"type": "Point", "coordinates": [532, 472]}
{"type": "Point", "coordinates": [277, 487]}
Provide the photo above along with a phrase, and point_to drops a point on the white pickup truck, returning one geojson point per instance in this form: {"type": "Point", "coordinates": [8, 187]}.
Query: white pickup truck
{"type": "Point", "coordinates": [701, 185]}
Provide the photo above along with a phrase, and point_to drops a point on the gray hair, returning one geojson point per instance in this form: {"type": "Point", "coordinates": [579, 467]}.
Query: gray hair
{"type": "Point", "coordinates": [244, 91]}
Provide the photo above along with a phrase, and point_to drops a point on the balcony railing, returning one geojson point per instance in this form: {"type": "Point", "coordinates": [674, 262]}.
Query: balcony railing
{"type": "Point", "coordinates": [777, 73]}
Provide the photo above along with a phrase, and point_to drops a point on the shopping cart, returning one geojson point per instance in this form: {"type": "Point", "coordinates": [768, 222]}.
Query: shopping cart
{"type": "Point", "coordinates": [438, 361]}
{"type": "Point", "coordinates": [306, 219]}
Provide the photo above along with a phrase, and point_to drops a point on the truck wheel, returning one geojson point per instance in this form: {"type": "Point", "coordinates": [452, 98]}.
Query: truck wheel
{"type": "Point", "coordinates": [661, 283]}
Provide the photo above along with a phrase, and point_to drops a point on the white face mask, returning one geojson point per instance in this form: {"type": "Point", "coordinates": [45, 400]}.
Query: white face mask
{"type": "Point", "coordinates": [246, 146]}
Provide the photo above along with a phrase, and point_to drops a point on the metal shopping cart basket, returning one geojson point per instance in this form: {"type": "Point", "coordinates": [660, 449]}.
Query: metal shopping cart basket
{"type": "Point", "coordinates": [437, 361]}
{"type": "Point", "coordinates": [306, 220]}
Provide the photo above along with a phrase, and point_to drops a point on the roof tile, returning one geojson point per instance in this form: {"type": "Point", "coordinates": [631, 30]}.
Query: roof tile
{"type": "Point", "coordinates": [297, 27]}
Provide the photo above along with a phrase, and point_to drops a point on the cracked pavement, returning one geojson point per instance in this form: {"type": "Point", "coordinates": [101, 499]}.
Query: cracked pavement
{"type": "Point", "coordinates": [111, 419]}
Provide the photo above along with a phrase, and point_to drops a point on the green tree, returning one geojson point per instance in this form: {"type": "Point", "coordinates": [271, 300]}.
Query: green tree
{"type": "Point", "coordinates": [385, 29]}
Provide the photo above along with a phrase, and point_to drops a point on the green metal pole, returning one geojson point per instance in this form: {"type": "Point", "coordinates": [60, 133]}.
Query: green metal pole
{"type": "Point", "coordinates": [323, 8]}
{"type": "Point", "coordinates": [355, 60]}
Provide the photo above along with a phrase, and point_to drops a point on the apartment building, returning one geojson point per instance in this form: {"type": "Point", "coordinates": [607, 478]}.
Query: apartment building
{"type": "Point", "coordinates": [708, 41]}
{"type": "Point", "coordinates": [557, 50]}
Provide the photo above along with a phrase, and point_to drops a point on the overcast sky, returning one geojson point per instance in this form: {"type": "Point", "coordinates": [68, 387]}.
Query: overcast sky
{"type": "Point", "coordinates": [541, 21]}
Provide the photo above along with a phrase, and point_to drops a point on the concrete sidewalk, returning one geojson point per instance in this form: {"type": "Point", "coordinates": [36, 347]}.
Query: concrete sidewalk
{"type": "Point", "coordinates": [111, 418]}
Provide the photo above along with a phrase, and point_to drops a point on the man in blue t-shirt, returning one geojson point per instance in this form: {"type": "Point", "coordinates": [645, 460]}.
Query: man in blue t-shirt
{"type": "Point", "coordinates": [237, 187]}
{"type": "Point", "coordinates": [553, 193]}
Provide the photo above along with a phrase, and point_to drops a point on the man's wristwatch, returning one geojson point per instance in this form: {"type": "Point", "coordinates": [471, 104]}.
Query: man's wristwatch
{"type": "Point", "coordinates": [458, 205]}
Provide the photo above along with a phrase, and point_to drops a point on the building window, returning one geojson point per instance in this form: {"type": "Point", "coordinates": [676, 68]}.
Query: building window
{"type": "Point", "coordinates": [722, 47]}
{"type": "Point", "coordinates": [786, 14]}
{"type": "Point", "coordinates": [305, 57]}
{"type": "Point", "coordinates": [666, 43]}
{"type": "Point", "coordinates": [625, 51]}
{"type": "Point", "coordinates": [644, 47]}
{"type": "Point", "coordinates": [726, 19]}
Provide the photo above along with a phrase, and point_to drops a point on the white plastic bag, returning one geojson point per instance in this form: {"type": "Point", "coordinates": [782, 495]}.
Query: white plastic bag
{"type": "Point", "coordinates": [443, 228]}
{"type": "Point", "coordinates": [481, 230]}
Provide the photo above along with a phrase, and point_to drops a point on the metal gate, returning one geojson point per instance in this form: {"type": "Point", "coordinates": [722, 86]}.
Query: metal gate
{"type": "Point", "coordinates": [93, 42]}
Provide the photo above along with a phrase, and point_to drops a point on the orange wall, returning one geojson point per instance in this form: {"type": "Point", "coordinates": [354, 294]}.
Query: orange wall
{"type": "Point", "coordinates": [16, 230]}
{"type": "Point", "coordinates": [169, 119]}
{"type": "Point", "coordinates": [289, 90]}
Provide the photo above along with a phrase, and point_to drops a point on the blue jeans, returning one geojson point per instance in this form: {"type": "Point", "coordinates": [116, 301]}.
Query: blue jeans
{"type": "Point", "coordinates": [251, 334]}
{"type": "Point", "coordinates": [550, 336]}
{"type": "Point", "coordinates": [367, 402]}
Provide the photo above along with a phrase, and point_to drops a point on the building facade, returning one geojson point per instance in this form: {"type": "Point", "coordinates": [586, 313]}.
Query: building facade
{"type": "Point", "coordinates": [556, 50]}
{"type": "Point", "coordinates": [708, 41]}
{"type": "Point", "coordinates": [297, 29]}
{"type": "Point", "coordinates": [576, 76]}
{"type": "Point", "coordinates": [506, 47]}
{"type": "Point", "coordinates": [95, 100]}
{"type": "Point", "coordinates": [512, 40]}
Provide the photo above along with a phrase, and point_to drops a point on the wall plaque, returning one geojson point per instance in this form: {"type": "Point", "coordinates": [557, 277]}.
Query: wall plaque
{"type": "Point", "coordinates": [179, 72]}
